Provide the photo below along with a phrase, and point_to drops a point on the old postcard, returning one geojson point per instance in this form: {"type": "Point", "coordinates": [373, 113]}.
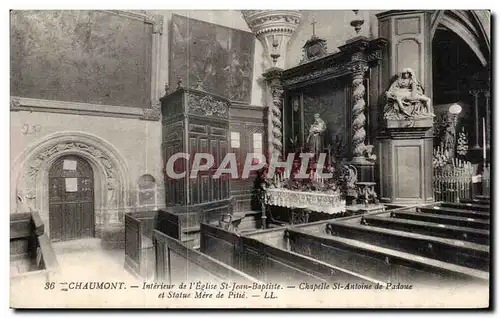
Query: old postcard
{"type": "Point", "coordinates": [250, 158]}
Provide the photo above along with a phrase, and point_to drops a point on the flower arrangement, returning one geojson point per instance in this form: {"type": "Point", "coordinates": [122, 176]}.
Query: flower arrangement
{"type": "Point", "coordinates": [440, 158]}
{"type": "Point", "coordinates": [338, 182]}
{"type": "Point", "coordinates": [462, 143]}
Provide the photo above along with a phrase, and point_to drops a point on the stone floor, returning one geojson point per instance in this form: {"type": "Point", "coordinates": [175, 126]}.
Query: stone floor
{"type": "Point", "coordinates": [86, 259]}
{"type": "Point", "coordinates": [79, 261]}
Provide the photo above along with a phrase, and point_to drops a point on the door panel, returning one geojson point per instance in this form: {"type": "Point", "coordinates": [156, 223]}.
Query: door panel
{"type": "Point", "coordinates": [71, 199]}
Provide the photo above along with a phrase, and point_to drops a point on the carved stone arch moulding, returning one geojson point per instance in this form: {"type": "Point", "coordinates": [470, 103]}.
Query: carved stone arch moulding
{"type": "Point", "coordinates": [111, 186]}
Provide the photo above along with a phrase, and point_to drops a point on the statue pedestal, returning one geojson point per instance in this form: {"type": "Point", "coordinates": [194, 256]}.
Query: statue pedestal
{"type": "Point", "coordinates": [365, 169]}
{"type": "Point", "coordinates": [405, 153]}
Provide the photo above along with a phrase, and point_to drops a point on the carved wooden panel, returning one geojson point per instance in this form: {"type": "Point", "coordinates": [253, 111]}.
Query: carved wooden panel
{"type": "Point", "coordinates": [204, 125]}
{"type": "Point", "coordinates": [84, 56]}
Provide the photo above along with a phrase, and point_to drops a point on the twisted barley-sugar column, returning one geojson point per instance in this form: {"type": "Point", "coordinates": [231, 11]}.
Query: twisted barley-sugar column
{"type": "Point", "coordinates": [358, 109]}
{"type": "Point", "coordinates": [277, 94]}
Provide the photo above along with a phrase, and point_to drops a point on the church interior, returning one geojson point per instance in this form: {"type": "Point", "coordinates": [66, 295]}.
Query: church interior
{"type": "Point", "coordinates": [395, 104]}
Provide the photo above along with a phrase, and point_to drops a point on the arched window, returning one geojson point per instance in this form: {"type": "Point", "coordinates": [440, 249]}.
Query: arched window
{"type": "Point", "coordinates": [146, 194]}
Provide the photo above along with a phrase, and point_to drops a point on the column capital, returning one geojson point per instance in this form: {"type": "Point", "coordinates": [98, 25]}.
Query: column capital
{"type": "Point", "coordinates": [274, 29]}
{"type": "Point", "coordinates": [358, 69]}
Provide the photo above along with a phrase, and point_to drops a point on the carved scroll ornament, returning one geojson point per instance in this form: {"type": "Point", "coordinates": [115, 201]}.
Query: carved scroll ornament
{"type": "Point", "coordinates": [208, 105]}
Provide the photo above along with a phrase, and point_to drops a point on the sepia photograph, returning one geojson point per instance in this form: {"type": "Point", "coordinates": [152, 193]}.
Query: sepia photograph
{"type": "Point", "coordinates": [276, 158]}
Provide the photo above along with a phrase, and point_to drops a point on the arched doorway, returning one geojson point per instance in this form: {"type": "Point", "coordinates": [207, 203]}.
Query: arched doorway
{"type": "Point", "coordinates": [460, 74]}
{"type": "Point", "coordinates": [71, 199]}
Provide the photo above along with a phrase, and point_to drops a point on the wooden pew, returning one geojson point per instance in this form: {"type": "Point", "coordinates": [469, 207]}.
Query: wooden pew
{"type": "Point", "coordinates": [139, 228]}
{"type": "Point", "coordinates": [483, 197]}
{"type": "Point", "coordinates": [138, 243]}
{"type": "Point", "coordinates": [379, 263]}
{"type": "Point", "coordinates": [271, 263]}
{"type": "Point", "coordinates": [476, 201]}
{"type": "Point", "coordinates": [443, 219]}
{"type": "Point", "coordinates": [447, 250]}
{"type": "Point", "coordinates": [454, 212]}
{"type": "Point", "coordinates": [176, 263]}
{"type": "Point", "coordinates": [429, 228]}
{"type": "Point", "coordinates": [464, 206]}
{"type": "Point", "coordinates": [31, 250]}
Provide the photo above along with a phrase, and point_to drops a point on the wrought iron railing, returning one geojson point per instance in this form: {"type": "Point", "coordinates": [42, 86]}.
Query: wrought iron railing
{"type": "Point", "coordinates": [453, 181]}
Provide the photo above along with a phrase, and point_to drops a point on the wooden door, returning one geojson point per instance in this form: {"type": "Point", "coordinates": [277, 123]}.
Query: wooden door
{"type": "Point", "coordinates": [71, 199]}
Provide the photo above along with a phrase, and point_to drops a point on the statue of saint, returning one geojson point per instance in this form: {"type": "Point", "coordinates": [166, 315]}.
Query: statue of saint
{"type": "Point", "coordinates": [315, 137]}
{"type": "Point", "coordinates": [406, 97]}
{"type": "Point", "coordinates": [449, 138]}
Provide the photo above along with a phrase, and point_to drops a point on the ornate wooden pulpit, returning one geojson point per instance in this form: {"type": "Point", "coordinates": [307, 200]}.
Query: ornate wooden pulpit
{"type": "Point", "coordinates": [196, 121]}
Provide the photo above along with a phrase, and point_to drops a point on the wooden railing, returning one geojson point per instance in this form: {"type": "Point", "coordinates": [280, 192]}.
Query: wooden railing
{"type": "Point", "coordinates": [30, 245]}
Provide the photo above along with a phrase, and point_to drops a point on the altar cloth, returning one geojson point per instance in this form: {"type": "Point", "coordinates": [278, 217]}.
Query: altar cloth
{"type": "Point", "coordinates": [330, 203]}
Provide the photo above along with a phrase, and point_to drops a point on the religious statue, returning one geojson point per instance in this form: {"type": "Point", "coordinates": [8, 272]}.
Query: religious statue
{"type": "Point", "coordinates": [315, 137]}
{"type": "Point", "coordinates": [449, 138]}
{"type": "Point", "coordinates": [405, 98]}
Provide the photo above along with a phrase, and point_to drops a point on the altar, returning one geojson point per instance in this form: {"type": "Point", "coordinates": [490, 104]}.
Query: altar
{"type": "Point", "coordinates": [301, 203]}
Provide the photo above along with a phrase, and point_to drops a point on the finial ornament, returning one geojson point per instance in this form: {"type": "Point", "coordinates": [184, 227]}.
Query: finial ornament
{"type": "Point", "coordinates": [275, 52]}
{"type": "Point", "coordinates": [179, 82]}
{"type": "Point", "coordinates": [314, 28]}
{"type": "Point", "coordinates": [357, 22]}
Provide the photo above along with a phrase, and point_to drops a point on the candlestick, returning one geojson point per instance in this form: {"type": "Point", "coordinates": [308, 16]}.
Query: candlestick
{"type": "Point", "coordinates": [484, 140]}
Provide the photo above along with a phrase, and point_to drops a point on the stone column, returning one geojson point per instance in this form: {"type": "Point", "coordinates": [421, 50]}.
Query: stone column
{"type": "Point", "coordinates": [275, 114]}
{"type": "Point", "coordinates": [359, 49]}
{"type": "Point", "coordinates": [410, 45]}
{"type": "Point", "coordinates": [488, 117]}
{"type": "Point", "coordinates": [274, 29]}
{"type": "Point", "coordinates": [475, 93]}
{"type": "Point", "coordinates": [405, 144]}
{"type": "Point", "coordinates": [358, 112]}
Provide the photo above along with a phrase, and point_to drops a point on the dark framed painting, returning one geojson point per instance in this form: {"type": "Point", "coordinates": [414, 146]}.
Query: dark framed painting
{"type": "Point", "coordinates": [95, 57]}
{"type": "Point", "coordinates": [220, 57]}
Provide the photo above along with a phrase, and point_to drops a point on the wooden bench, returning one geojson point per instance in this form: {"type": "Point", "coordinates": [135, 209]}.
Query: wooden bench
{"type": "Point", "coordinates": [272, 263]}
{"type": "Point", "coordinates": [379, 263]}
{"type": "Point", "coordinates": [176, 263]}
{"type": "Point", "coordinates": [454, 212]}
{"type": "Point", "coordinates": [429, 228]}
{"type": "Point", "coordinates": [464, 206]}
{"type": "Point", "coordinates": [32, 255]}
{"type": "Point", "coordinates": [447, 250]}
{"type": "Point", "coordinates": [443, 219]}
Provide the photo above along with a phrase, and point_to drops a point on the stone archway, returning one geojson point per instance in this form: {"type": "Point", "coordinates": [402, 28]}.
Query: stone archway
{"type": "Point", "coordinates": [111, 184]}
{"type": "Point", "coordinates": [473, 26]}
